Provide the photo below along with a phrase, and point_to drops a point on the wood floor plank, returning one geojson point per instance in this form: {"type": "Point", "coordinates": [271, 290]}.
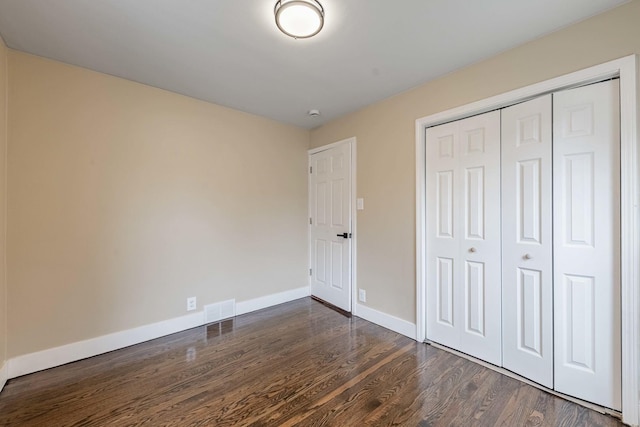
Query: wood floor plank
{"type": "Point", "coordinates": [297, 364]}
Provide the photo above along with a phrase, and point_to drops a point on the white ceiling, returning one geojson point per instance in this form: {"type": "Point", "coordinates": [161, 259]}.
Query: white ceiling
{"type": "Point", "coordinates": [230, 52]}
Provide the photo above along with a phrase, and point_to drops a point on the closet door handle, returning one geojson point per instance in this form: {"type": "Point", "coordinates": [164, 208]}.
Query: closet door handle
{"type": "Point", "coordinates": [527, 256]}
{"type": "Point", "coordinates": [472, 250]}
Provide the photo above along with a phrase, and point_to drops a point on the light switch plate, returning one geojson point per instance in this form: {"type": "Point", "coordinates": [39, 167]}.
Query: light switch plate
{"type": "Point", "coordinates": [360, 204]}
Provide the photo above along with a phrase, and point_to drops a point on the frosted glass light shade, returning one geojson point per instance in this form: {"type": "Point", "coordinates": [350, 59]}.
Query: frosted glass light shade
{"type": "Point", "coordinates": [299, 19]}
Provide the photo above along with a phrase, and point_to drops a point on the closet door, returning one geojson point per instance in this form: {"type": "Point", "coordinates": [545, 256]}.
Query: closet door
{"type": "Point", "coordinates": [443, 241]}
{"type": "Point", "coordinates": [586, 221]}
{"type": "Point", "coordinates": [463, 236]}
{"type": "Point", "coordinates": [527, 275]}
{"type": "Point", "coordinates": [479, 227]}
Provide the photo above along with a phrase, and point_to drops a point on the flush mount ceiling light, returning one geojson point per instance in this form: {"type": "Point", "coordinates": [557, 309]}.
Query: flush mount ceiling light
{"type": "Point", "coordinates": [299, 19]}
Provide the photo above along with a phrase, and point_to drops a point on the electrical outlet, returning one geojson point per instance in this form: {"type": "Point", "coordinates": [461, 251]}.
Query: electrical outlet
{"type": "Point", "coordinates": [191, 303]}
{"type": "Point", "coordinates": [362, 295]}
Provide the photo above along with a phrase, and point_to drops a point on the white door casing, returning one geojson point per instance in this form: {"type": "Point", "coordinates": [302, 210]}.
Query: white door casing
{"type": "Point", "coordinates": [463, 170]}
{"type": "Point", "coordinates": [527, 245]}
{"type": "Point", "coordinates": [586, 169]}
{"type": "Point", "coordinates": [330, 216]}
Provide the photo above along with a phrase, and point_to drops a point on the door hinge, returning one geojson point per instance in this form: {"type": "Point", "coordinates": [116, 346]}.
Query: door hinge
{"type": "Point", "coordinates": [310, 272]}
{"type": "Point", "coordinates": [310, 221]}
{"type": "Point", "coordinates": [310, 169]}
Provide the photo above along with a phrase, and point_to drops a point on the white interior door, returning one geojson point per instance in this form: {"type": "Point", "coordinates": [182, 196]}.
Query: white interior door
{"type": "Point", "coordinates": [527, 244]}
{"type": "Point", "coordinates": [330, 225]}
{"type": "Point", "coordinates": [463, 236]}
{"type": "Point", "coordinates": [586, 169]}
{"type": "Point", "coordinates": [480, 270]}
{"type": "Point", "coordinates": [443, 242]}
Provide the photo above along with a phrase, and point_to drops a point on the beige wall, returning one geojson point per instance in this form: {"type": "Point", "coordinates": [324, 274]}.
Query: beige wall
{"type": "Point", "coordinates": [3, 200]}
{"type": "Point", "coordinates": [124, 200]}
{"type": "Point", "coordinates": [386, 141]}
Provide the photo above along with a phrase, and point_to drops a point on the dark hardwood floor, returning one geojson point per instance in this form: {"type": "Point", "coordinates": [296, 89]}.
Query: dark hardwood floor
{"type": "Point", "coordinates": [299, 363]}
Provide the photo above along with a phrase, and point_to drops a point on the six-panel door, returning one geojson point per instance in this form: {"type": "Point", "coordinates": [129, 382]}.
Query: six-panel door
{"type": "Point", "coordinates": [463, 245]}
{"type": "Point", "coordinates": [527, 244]}
{"type": "Point", "coordinates": [586, 221]}
{"type": "Point", "coordinates": [330, 207]}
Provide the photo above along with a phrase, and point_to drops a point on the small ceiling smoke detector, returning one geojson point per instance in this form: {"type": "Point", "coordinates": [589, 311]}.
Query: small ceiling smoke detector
{"type": "Point", "coordinates": [313, 113]}
{"type": "Point", "coordinates": [299, 19]}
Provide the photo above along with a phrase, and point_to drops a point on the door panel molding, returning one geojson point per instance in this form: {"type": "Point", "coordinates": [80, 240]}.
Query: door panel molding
{"type": "Point", "coordinates": [626, 69]}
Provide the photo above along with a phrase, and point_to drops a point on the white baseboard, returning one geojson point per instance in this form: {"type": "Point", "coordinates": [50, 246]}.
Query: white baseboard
{"type": "Point", "coordinates": [57, 356]}
{"type": "Point", "coordinates": [388, 321]}
{"type": "Point", "coordinates": [4, 375]}
{"type": "Point", "coordinates": [270, 300]}
{"type": "Point", "coordinates": [45, 359]}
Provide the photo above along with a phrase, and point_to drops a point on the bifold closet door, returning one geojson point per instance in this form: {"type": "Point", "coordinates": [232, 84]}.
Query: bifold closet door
{"type": "Point", "coordinates": [463, 236]}
{"type": "Point", "coordinates": [586, 222]}
{"type": "Point", "coordinates": [527, 243]}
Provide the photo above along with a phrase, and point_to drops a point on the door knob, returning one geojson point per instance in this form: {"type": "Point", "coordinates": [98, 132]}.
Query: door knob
{"type": "Point", "coordinates": [527, 256]}
{"type": "Point", "coordinates": [344, 235]}
{"type": "Point", "coordinates": [472, 250]}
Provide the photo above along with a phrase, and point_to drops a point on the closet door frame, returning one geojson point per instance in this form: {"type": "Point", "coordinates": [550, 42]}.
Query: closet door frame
{"type": "Point", "coordinates": [626, 69]}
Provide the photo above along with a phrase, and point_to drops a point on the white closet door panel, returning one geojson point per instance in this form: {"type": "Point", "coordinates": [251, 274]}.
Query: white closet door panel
{"type": "Point", "coordinates": [463, 236]}
{"type": "Point", "coordinates": [586, 168]}
{"type": "Point", "coordinates": [478, 270]}
{"type": "Point", "coordinates": [527, 275]}
{"type": "Point", "coordinates": [442, 238]}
